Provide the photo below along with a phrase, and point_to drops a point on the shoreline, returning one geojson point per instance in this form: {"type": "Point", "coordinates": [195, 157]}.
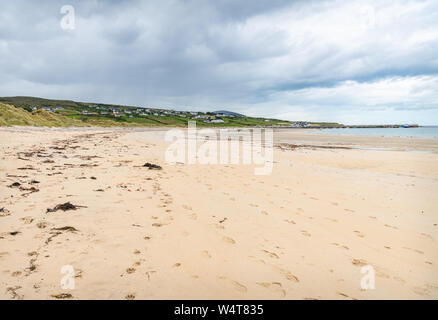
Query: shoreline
{"type": "Point", "coordinates": [294, 135]}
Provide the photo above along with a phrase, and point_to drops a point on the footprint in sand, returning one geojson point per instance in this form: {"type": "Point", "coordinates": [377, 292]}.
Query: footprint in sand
{"type": "Point", "coordinates": [359, 262]}
{"type": "Point", "coordinates": [345, 295]}
{"type": "Point", "coordinates": [274, 286]}
{"type": "Point", "coordinates": [359, 234]}
{"type": "Point", "coordinates": [27, 220]}
{"type": "Point", "coordinates": [130, 296]}
{"type": "Point", "coordinates": [236, 285]}
{"type": "Point", "coordinates": [130, 270]}
{"type": "Point", "coordinates": [158, 225]}
{"type": "Point", "coordinates": [289, 276]}
{"type": "Point", "coordinates": [305, 233]}
{"type": "Point", "coordinates": [271, 254]}
{"type": "Point", "coordinates": [206, 254]}
{"type": "Point", "coordinates": [396, 278]}
{"type": "Point", "coordinates": [421, 291]}
{"type": "Point", "coordinates": [193, 216]}
{"type": "Point", "coordinates": [428, 236]}
{"type": "Point", "coordinates": [42, 224]}
{"type": "Point", "coordinates": [229, 240]}
{"type": "Point", "coordinates": [415, 250]}
{"type": "Point", "coordinates": [290, 221]}
{"type": "Point", "coordinates": [338, 245]}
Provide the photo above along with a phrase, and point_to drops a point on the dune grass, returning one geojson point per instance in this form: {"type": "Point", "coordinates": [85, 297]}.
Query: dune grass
{"type": "Point", "coordinates": [13, 116]}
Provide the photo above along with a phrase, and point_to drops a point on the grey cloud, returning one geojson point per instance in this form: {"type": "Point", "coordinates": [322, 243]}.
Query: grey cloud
{"type": "Point", "coordinates": [250, 56]}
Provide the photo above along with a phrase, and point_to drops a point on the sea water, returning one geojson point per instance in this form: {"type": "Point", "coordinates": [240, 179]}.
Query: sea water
{"type": "Point", "coordinates": [420, 132]}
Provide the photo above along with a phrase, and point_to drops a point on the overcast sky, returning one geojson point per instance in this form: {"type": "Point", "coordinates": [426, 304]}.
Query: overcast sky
{"type": "Point", "coordinates": [349, 61]}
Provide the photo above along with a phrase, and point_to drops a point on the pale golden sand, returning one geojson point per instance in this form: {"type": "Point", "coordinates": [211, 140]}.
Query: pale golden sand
{"type": "Point", "coordinates": [216, 231]}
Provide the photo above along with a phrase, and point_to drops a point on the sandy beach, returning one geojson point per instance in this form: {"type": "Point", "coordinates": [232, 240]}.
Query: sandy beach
{"type": "Point", "coordinates": [216, 231]}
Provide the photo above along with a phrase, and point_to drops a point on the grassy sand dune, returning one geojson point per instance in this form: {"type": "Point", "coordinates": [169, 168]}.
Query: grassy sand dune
{"type": "Point", "coordinates": [12, 116]}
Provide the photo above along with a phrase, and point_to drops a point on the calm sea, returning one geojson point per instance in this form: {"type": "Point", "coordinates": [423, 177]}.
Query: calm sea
{"type": "Point", "coordinates": [421, 132]}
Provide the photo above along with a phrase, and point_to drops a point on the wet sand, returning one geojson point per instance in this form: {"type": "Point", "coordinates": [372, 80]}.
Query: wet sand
{"type": "Point", "coordinates": [216, 231]}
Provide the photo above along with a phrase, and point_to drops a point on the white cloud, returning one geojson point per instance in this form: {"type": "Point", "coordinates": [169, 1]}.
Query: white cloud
{"type": "Point", "coordinates": [386, 100]}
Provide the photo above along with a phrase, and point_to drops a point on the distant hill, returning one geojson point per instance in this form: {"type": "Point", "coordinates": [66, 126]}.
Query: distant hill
{"type": "Point", "coordinates": [22, 101]}
{"type": "Point", "coordinates": [228, 113]}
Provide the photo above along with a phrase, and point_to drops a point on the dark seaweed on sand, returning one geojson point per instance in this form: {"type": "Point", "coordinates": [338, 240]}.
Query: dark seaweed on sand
{"type": "Point", "coordinates": [152, 166]}
{"type": "Point", "coordinates": [64, 207]}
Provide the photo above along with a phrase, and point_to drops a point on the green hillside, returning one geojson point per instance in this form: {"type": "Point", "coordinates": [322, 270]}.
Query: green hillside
{"type": "Point", "coordinates": [32, 111]}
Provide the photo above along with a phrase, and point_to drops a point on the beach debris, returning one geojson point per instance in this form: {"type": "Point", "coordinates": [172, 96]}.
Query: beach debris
{"type": "Point", "coordinates": [13, 292]}
{"type": "Point", "coordinates": [15, 184]}
{"type": "Point", "coordinates": [66, 228]}
{"type": "Point", "coordinates": [152, 166]}
{"type": "Point", "coordinates": [88, 165]}
{"type": "Point", "coordinates": [62, 296]}
{"type": "Point", "coordinates": [93, 178]}
{"type": "Point", "coordinates": [4, 212]}
{"type": "Point", "coordinates": [14, 233]}
{"type": "Point", "coordinates": [58, 148]}
{"type": "Point", "coordinates": [31, 189]}
{"type": "Point", "coordinates": [223, 220]}
{"type": "Point", "coordinates": [52, 174]}
{"type": "Point", "coordinates": [64, 207]}
{"type": "Point", "coordinates": [26, 168]}
{"type": "Point", "coordinates": [53, 235]}
{"type": "Point", "coordinates": [288, 146]}
{"type": "Point", "coordinates": [34, 182]}
{"type": "Point", "coordinates": [15, 176]}
{"type": "Point", "coordinates": [32, 266]}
